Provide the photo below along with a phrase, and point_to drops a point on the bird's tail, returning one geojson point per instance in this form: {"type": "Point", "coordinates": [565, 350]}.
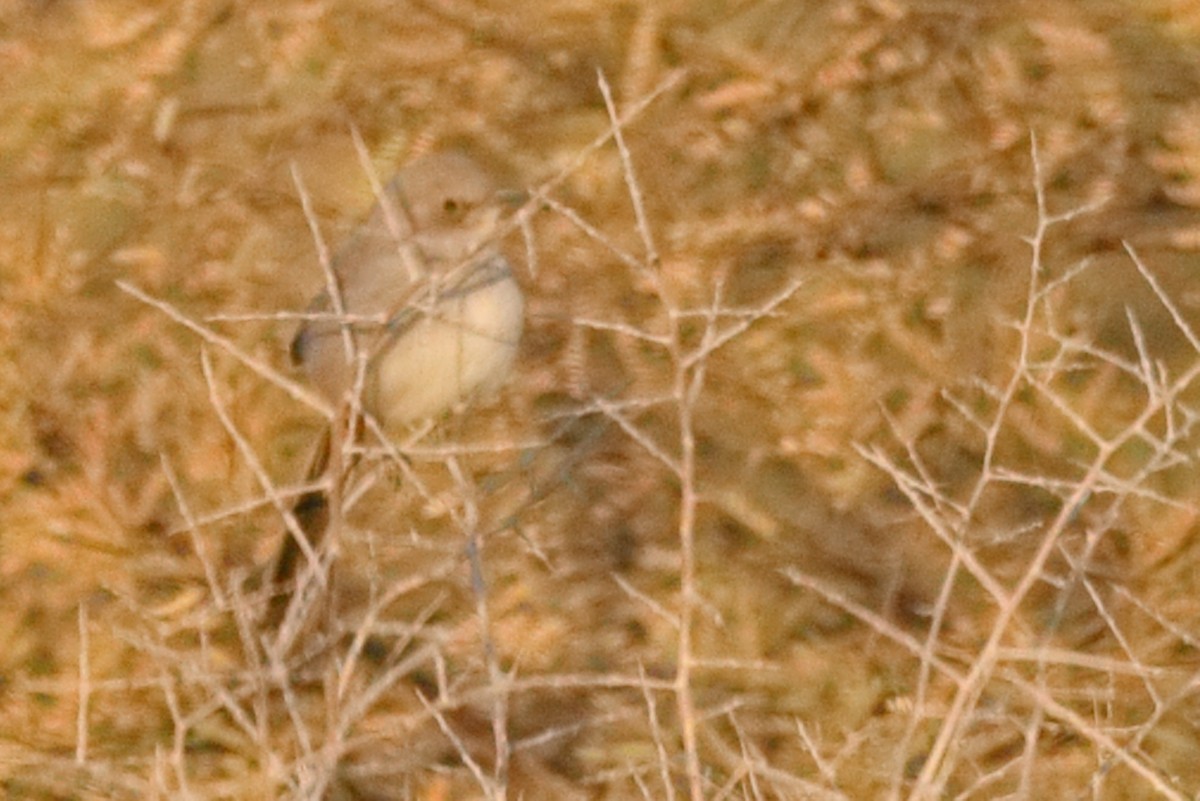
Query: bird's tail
{"type": "Point", "coordinates": [311, 511]}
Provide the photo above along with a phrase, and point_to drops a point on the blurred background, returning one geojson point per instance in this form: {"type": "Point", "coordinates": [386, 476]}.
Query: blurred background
{"type": "Point", "coordinates": [938, 412]}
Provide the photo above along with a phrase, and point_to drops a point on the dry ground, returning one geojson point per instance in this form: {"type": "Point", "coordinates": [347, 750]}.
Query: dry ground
{"type": "Point", "coordinates": [852, 454]}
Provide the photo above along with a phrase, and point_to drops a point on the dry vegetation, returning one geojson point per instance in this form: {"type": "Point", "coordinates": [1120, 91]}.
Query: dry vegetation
{"type": "Point", "coordinates": [851, 451]}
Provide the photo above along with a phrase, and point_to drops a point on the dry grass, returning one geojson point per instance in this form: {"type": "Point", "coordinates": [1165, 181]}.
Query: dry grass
{"type": "Point", "coordinates": [851, 452]}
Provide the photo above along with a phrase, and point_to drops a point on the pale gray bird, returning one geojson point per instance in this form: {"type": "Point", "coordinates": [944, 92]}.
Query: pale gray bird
{"type": "Point", "coordinates": [431, 305]}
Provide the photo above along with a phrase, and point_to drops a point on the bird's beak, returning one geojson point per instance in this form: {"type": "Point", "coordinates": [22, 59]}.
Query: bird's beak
{"type": "Point", "coordinates": [511, 198]}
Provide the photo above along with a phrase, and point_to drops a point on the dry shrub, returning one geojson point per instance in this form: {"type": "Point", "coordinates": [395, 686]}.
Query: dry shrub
{"type": "Point", "coordinates": [850, 453]}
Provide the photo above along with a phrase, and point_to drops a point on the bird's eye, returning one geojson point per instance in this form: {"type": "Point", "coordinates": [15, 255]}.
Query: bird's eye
{"type": "Point", "coordinates": [451, 206]}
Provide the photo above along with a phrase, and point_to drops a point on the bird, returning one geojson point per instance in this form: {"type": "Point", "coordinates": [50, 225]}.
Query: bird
{"type": "Point", "coordinates": [422, 301]}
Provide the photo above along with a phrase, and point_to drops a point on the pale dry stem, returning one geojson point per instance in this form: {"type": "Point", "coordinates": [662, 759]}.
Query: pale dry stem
{"type": "Point", "coordinates": [949, 521]}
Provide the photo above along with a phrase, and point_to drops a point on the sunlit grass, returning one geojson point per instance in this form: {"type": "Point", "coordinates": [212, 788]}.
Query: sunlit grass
{"type": "Point", "coordinates": [925, 528]}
